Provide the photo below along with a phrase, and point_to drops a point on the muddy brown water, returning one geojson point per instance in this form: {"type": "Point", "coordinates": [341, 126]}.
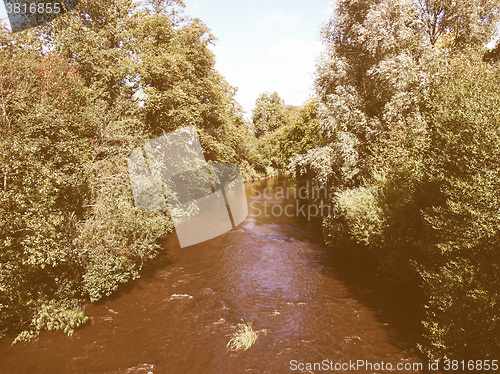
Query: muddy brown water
{"type": "Point", "coordinates": [307, 305]}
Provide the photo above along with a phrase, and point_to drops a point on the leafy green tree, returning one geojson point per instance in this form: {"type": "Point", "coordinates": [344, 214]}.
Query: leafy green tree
{"type": "Point", "coordinates": [384, 60]}
{"type": "Point", "coordinates": [94, 36]}
{"type": "Point", "coordinates": [175, 70]}
{"type": "Point", "coordinates": [47, 133]}
{"type": "Point", "coordinates": [463, 279]}
{"type": "Point", "coordinates": [465, 23]}
{"type": "Point", "coordinates": [70, 231]}
{"type": "Point", "coordinates": [303, 132]}
{"type": "Point", "coordinates": [269, 113]}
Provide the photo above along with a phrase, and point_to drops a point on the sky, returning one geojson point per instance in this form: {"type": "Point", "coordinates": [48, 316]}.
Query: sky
{"type": "Point", "coordinates": [3, 12]}
{"type": "Point", "coordinates": [263, 45]}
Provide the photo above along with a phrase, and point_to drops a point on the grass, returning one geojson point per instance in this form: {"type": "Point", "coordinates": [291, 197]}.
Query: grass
{"type": "Point", "coordinates": [243, 338]}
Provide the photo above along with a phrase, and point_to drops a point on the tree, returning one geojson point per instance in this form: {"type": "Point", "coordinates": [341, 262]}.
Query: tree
{"type": "Point", "coordinates": [94, 36]}
{"type": "Point", "coordinates": [383, 63]}
{"type": "Point", "coordinates": [70, 231]}
{"type": "Point", "coordinates": [47, 131]}
{"type": "Point", "coordinates": [302, 133]}
{"type": "Point", "coordinates": [463, 279]}
{"type": "Point", "coordinates": [466, 22]}
{"type": "Point", "coordinates": [269, 113]}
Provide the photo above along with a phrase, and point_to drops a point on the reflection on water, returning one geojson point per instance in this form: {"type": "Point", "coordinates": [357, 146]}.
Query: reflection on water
{"type": "Point", "coordinates": [306, 304]}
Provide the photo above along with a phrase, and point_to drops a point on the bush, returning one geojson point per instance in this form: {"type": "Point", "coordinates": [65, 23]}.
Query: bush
{"type": "Point", "coordinates": [360, 207]}
{"type": "Point", "coordinates": [462, 279]}
{"type": "Point", "coordinates": [69, 229]}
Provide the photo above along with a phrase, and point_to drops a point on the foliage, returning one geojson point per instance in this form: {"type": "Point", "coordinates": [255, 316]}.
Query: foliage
{"type": "Point", "coordinates": [467, 22]}
{"type": "Point", "coordinates": [410, 146]}
{"type": "Point", "coordinates": [269, 113]}
{"type": "Point", "coordinates": [296, 134]}
{"type": "Point", "coordinates": [463, 280]}
{"type": "Point", "coordinates": [46, 139]}
{"type": "Point", "coordinates": [360, 208]}
{"type": "Point", "coordinates": [70, 114]}
{"type": "Point", "coordinates": [302, 132]}
{"type": "Point", "coordinates": [55, 315]}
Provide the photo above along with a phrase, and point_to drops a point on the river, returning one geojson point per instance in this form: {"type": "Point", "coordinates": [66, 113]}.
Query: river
{"type": "Point", "coordinates": [307, 305]}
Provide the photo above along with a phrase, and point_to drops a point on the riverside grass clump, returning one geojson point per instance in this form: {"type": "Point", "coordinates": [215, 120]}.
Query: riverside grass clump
{"type": "Point", "coordinates": [242, 339]}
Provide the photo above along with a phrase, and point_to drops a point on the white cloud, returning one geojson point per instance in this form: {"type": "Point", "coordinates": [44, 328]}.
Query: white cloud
{"type": "Point", "coordinates": [286, 67]}
{"type": "Point", "coordinates": [263, 48]}
{"type": "Point", "coordinates": [278, 18]}
{"type": "Point", "coordinates": [331, 8]}
{"type": "Point", "coordinates": [3, 11]}
{"type": "Point", "coordinates": [194, 5]}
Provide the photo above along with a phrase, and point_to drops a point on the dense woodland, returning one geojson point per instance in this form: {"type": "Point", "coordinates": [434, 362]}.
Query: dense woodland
{"type": "Point", "coordinates": [404, 127]}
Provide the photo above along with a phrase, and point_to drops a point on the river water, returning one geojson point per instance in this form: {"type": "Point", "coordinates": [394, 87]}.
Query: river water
{"type": "Point", "coordinates": [306, 304]}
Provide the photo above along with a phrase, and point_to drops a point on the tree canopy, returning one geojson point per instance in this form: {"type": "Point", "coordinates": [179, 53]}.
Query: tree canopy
{"type": "Point", "coordinates": [77, 95]}
{"type": "Point", "coordinates": [409, 138]}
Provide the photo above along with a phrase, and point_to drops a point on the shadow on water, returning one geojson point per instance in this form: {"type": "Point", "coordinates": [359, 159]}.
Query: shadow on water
{"type": "Point", "coordinates": [148, 270]}
{"type": "Point", "coordinates": [399, 307]}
